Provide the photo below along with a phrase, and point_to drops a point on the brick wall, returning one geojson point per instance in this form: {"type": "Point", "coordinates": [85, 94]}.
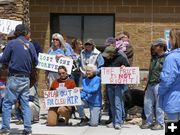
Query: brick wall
{"type": "Point", "coordinates": [145, 20]}
{"type": "Point", "coordinates": [15, 10]}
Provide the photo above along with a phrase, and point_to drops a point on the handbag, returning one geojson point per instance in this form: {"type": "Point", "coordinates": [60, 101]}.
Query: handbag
{"type": "Point", "coordinates": [33, 74]}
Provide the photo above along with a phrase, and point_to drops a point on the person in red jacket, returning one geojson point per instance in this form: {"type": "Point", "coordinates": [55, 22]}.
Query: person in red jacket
{"type": "Point", "coordinates": [64, 111]}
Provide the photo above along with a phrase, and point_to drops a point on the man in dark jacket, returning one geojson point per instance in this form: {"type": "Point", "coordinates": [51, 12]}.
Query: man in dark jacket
{"type": "Point", "coordinates": [151, 103]}
{"type": "Point", "coordinates": [115, 91]}
{"type": "Point", "coordinates": [20, 55]}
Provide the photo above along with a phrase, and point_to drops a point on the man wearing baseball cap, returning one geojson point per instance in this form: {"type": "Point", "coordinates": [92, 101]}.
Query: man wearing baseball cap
{"type": "Point", "coordinates": [20, 54]}
{"type": "Point", "coordinates": [90, 55]}
{"type": "Point", "coordinates": [151, 103]}
{"type": "Point", "coordinates": [115, 91]}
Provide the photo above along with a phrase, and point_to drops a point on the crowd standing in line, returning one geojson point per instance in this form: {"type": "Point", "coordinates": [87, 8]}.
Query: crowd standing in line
{"type": "Point", "coordinates": [162, 91]}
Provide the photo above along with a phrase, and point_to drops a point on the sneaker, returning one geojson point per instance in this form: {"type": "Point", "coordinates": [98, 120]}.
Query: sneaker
{"type": "Point", "coordinates": [4, 132]}
{"type": "Point", "coordinates": [25, 132]}
{"type": "Point", "coordinates": [157, 127]}
{"type": "Point", "coordinates": [146, 126]}
{"type": "Point", "coordinates": [83, 122]}
{"type": "Point", "coordinates": [111, 125]}
{"type": "Point", "coordinates": [118, 127]}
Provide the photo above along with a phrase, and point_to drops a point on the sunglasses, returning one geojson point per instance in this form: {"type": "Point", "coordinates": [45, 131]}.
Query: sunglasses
{"type": "Point", "coordinates": [55, 39]}
{"type": "Point", "coordinates": [62, 73]}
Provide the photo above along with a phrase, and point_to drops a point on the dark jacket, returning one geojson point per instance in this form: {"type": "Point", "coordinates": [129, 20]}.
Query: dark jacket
{"type": "Point", "coordinates": [155, 69]}
{"type": "Point", "coordinates": [117, 61]}
{"type": "Point", "coordinates": [18, 57]}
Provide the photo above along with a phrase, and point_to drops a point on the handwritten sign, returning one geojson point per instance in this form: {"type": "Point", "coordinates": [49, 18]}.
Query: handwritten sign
{"type": "Point", "coordinates": [117, 75]}
{"type": "Point", "coordinates": [62, 97]}
{"type": "Point", "coordinates": [6, 26]}
{"type": "Point", "coordinates": [49, 62]}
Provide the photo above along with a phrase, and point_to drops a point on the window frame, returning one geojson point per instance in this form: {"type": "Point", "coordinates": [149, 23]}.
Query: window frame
{"type": "Point", "coordinates": [56, 16]}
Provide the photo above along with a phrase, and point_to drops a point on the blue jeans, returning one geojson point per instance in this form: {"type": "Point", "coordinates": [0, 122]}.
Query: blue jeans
{"type": "Point", "coordinates": [17, 87]}
{"type": "Point", "coordinates": [95, 112]}
{"type": "Point", "coordinates": [173, 116]}
{"type": "Point", "coordinates": [116, 102]}
{"type": "Point", "coordinates": [151, 105]}
{"type": "Point", "coordinates": [2, 93]}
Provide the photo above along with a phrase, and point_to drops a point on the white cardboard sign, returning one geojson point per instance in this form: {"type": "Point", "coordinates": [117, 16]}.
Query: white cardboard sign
{"type": "Point", "coordinates": [62, 97]}
{"type": "Point", "coordinates": [6, 25]}
{"type": "Point", "coordinates": [49, 62]}
{"type": "Point", "coordinates": [119, 75]}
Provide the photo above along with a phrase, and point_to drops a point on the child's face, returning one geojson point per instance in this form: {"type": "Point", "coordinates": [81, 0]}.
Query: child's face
{"type": "Point", "coordinates": [125, 38]}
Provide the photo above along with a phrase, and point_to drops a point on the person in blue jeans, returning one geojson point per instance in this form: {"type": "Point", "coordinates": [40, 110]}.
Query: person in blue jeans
{"type": "Point", "coordinates": [151, 103]}
{"type": "Point", "coordinates": [19, 54]}
{"type": "Point", "coordinates": [169, 87]}
{"type": "Point", "coordinates": [91, 97]}
{"type": "Point", "coordinates": [115, 91]}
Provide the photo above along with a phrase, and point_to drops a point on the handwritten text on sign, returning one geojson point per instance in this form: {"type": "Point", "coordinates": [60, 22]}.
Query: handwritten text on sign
{"type": "Point", "coordinates": [68, 97]}
{"type": "Point", "coordinates": [6, 26]}
{"type": "Point", "coordinates": [49, 62]}
{"type": "Point", "coordinates": [118, 75]}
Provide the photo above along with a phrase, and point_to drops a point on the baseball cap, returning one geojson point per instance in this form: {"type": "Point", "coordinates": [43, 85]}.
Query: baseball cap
{"type": "Point", "coordinates": [110, 41]}
{"type": "Point", "coordinates": [89, 41]}
{"type": "Point", "coordinates": [109, 50]}
{"type": "Point", "coordinates": [159, 41]}
{"type": "Point", "coordinates": [21, 29]}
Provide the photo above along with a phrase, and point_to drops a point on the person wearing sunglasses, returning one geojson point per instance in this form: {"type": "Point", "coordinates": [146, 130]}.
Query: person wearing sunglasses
{"type": "Point", "coordinates": [64, 111]}
{"type": "Point", "coordinates": [57, 48]}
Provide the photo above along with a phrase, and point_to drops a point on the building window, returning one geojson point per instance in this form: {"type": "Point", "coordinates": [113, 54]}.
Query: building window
{"type": "Point", "coordinates": [84, 26]}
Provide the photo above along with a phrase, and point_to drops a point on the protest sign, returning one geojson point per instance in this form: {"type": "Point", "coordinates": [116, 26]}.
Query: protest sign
{"type": "Point", "coordinates": [118, 75]}
{"type": "Point", "coordinates": [62, 97]}
{"type": "Point", "coordinates": [6, 26]}
{"type": "Point", "coordinates": [49, 62]}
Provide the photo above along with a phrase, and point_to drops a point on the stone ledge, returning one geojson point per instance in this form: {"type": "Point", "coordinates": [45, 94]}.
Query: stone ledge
{"type": "Point", "coordinates": [4, 2]}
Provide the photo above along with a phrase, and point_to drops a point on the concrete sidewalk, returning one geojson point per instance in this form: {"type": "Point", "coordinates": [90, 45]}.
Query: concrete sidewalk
{"type": "Point", "coordinates": [41, 128]}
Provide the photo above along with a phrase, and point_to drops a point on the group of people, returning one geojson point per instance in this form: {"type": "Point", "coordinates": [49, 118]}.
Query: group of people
{"type": "Point", "coordinates": [163, 89]}
{"type": "Point", "coordinates": [88, 61]}
{"type": "Point", "coordinates": [162, 93]}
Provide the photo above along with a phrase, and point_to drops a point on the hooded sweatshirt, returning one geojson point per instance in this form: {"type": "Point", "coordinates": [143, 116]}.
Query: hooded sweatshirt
{"type": "Point", "coordinates": [169, 87]}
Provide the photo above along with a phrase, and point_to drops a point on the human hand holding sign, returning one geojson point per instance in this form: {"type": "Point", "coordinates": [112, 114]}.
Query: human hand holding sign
{"type": "Point", "coordinates": [76, 89]}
